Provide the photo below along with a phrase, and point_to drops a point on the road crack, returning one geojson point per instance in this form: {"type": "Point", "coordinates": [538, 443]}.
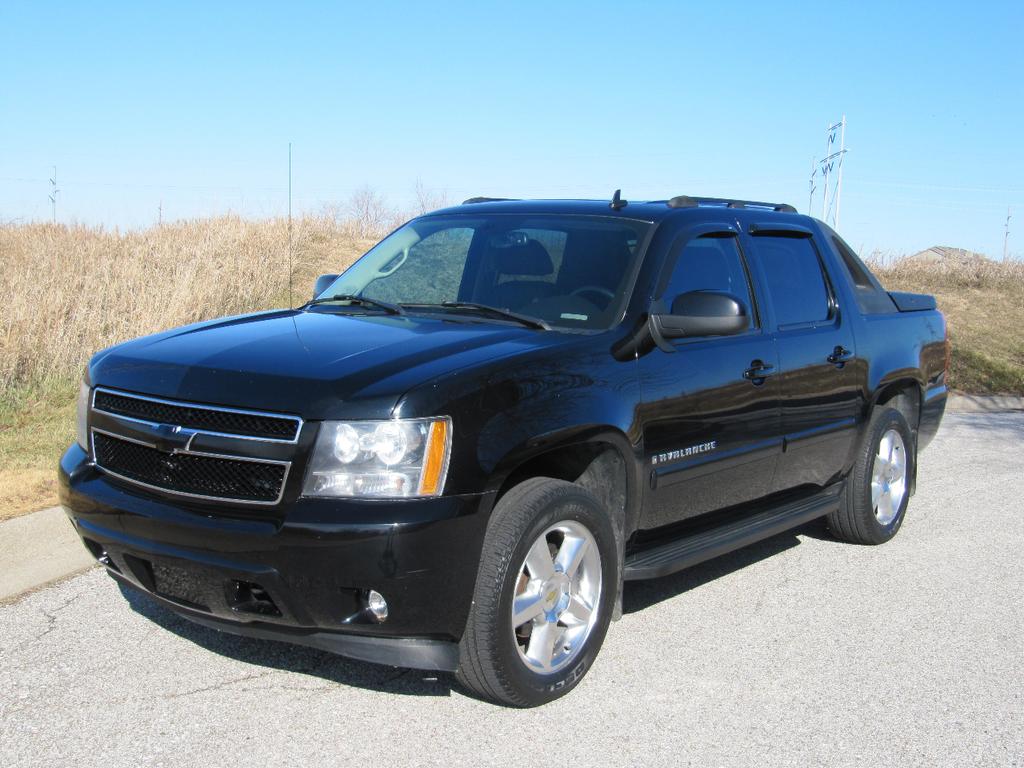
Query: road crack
{"type": "Point", "coordinates": [51, 622]}
{"type": "Point", "coordinates": [220, 686]}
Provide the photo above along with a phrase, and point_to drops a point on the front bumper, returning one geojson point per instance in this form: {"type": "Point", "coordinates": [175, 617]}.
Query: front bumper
{"type": "Point", "coordinates": [299, 574]}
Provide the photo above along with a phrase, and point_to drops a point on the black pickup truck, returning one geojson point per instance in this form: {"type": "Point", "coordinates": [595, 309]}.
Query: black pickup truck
{"type": "Point", "coordinates": [457, 452]}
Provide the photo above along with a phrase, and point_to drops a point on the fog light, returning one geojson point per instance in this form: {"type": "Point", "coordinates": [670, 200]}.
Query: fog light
{"type": "Point", "coordinates": [377, 604]}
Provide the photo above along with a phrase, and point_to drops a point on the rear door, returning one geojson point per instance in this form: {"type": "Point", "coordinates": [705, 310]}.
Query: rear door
{"type": "Point", "coordinates": [710, 410]}
{"type": "Point", "coordinates": [819, 373]}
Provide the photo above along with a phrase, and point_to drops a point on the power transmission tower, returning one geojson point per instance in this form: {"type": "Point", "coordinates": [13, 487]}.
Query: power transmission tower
{"type": "Point", "coordinates": [53, 194]}
{"type": "Point", "coordinates": [832, 162]}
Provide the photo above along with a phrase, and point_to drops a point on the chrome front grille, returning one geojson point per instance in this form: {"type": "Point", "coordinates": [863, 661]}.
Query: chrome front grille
{"type": "Point", "coordinates": [224, 421]}
{"type": "Point", "coordinates": [192, 450]}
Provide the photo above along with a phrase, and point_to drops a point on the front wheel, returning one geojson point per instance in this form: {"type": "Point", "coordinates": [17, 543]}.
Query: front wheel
{"type": "Point", "coordinates": [873, 505]}
{"type": "Point", "coordinates": [543, 598]}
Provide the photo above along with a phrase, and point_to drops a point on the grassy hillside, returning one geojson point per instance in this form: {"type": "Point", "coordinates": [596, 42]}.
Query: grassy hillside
{"type": "Point", "coordinates": [69, 291]}
{"type": "Point", "coordinates": [72, 290]}
{"type": "Point", "coordinates": [983, 302]}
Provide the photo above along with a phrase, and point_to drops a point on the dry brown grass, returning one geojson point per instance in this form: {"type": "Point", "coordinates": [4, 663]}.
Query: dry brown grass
{"type": "Point", "coordinates": [70, 291]}
{"type": "Point", "coordinates": [944, 275]}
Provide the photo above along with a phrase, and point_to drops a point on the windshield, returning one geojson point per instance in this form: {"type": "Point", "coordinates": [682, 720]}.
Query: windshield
{"type": "Point", "coordinates": [569, 271]}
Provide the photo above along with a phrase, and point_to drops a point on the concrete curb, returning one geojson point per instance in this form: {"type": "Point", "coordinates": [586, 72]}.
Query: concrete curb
{"type": "Point", "coordinates": [38, 549]}
{"type": "Point", "coordinates": [961, 403]}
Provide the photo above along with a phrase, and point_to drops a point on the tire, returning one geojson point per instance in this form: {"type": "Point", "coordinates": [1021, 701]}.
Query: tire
{"type": "Point", "coordinates": [874, 502]}
{"type": "Point", "coordinates": [505, 663]}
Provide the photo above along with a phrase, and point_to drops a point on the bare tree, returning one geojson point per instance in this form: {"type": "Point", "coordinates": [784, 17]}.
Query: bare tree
{"type": "Point", "coordinates": [428, 200]}
{"type": "Point", "coordinates": [369, 212]}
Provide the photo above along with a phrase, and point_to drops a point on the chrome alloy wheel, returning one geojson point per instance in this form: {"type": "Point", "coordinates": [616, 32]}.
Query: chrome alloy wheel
{"type": "Point", "coordinates": [557, 596]}
{"type": "Point", "coordinates": [889, 477]}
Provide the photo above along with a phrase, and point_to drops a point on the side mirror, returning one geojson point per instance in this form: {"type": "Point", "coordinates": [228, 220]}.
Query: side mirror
{"type": "Point", "coordinates": [700, 313]}
{"type": "Point", "coordinates": [323, 283]}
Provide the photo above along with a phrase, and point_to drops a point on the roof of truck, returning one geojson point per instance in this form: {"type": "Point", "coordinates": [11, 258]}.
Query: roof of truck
{"type": "Point", "coordinates": [648, 210]}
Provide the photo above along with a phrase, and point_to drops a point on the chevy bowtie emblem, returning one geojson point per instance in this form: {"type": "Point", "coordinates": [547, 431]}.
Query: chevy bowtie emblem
{"type": "Point", "coordinates": [172, 438]}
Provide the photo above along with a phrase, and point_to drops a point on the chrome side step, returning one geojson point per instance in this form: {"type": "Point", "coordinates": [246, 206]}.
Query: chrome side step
{"type": "Point", "coordinates": [663, 559]}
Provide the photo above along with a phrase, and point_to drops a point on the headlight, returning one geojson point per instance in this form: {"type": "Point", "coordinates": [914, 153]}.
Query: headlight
{"type": "Point", "coordinates": [401, 458]}
{"type": "Point", "coordinates": [82, 418]}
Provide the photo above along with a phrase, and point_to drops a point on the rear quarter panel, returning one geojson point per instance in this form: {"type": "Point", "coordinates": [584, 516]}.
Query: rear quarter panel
{"type": "Point", "coordinates": [904, 347]}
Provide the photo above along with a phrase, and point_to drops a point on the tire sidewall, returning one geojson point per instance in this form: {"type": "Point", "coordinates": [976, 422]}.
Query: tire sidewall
{"type": "Point", "coordinates": [888, 419]}
{"type": "Point", "coordinates": [571, 504]}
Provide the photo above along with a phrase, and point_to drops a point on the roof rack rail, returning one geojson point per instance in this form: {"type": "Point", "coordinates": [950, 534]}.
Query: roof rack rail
{"type": "Point", "coordinates": [473, 200]}
{"type": "Point", "coordinates": [685, 201]}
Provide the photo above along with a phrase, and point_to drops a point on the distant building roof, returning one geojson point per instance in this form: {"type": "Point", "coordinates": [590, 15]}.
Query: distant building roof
{"type": "Point", "coordinates": [944, 253]}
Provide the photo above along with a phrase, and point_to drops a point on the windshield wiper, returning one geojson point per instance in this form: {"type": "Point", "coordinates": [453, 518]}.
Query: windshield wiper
{"type": "Point", "coordinates": [391, 309]}
{"type": "Point", "coordinates": [505, 314]}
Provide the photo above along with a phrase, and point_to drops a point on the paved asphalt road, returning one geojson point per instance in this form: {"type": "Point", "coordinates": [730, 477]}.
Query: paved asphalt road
{"type": "Point", "coordinates": [800, 651]}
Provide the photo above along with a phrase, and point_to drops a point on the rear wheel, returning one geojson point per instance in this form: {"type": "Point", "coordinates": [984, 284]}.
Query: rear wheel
{"type": "Point", "coordinates": [543, 596]}
{"type": "Point", "coordinates": [877, 490]}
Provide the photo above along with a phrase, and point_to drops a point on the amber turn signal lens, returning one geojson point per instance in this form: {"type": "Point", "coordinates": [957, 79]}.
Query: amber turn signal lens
{"type": "Point", "coordinates": [436, 458]}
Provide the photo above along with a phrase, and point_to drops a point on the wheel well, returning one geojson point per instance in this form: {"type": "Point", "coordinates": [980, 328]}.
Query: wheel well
{"type": "Point", "coordinates": [598, 467]}
{"type": "Point", "coordinates": [905, 397]}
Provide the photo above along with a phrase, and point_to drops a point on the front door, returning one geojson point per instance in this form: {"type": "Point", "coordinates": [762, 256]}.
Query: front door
{"type": "Point", "coordinates": [710, 410]}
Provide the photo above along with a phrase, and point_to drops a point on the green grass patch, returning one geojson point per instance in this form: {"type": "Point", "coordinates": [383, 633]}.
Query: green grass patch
{"type": "Point", "coordinates": [977, 372]}
{"type": "Point", "coordinates": [37, 424]}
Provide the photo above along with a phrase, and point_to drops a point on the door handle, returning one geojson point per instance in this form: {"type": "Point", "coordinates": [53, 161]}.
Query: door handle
{"type": "Point", "coordinates": [839, 355]}
{"type": "Point", "coordinates": [758, 371]}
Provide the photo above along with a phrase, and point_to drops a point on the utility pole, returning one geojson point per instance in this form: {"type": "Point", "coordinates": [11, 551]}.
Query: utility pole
{"type": "Point", "coordinates": [53, 193]}
{"type": "Point", "coordinates": [1006, 237]}
{"type": "Point", "coordinates": [160, 214]}
{"type": "Point", "coordinates": [290, 300]}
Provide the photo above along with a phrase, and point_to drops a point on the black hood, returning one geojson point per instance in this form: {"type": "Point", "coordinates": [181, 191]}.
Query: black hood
{"type": "Point", "coordinates": [316, 364]}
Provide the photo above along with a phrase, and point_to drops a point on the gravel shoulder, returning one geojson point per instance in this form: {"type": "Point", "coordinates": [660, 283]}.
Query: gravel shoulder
{"type": "Point", "coordinates": [797, 651]}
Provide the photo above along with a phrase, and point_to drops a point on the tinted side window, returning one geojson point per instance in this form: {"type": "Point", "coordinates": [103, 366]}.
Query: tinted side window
{"type": "Point", "coordinates": [795, 281]}
{"type": "Point", "coordinates": [871, 297]}
{"type": "Point", "coordinates": [857, 271]}
{"type": "Point", "coordinates": [710, 264]}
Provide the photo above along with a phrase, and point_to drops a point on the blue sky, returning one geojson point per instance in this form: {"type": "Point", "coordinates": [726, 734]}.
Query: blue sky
{"type": "Point", "coordinates": [192, 106]}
